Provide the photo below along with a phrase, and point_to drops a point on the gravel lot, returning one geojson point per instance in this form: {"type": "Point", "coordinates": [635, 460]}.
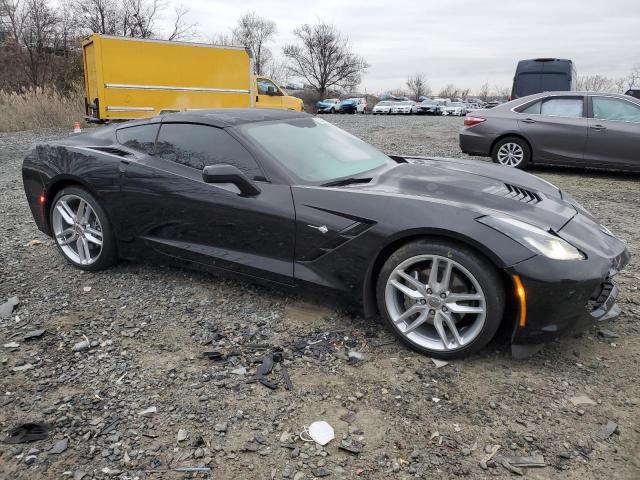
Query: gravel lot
{"type": "Point", "coordinates": [148, 326]}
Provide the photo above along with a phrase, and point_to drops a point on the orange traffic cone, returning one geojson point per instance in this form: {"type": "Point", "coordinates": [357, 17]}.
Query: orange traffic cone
{"type": "Point", "coordinates": [76, 128]}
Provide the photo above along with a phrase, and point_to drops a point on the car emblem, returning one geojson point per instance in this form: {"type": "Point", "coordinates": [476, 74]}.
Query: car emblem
{"type": "Point", "coordinates": [321, 228]}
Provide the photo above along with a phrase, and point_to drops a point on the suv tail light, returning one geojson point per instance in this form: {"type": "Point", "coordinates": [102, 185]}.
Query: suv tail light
{"type": "Point", "coordinates": [471, 121]}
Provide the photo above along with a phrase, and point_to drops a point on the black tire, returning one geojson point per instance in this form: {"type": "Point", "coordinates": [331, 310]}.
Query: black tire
{"type": "Point", "coordinates": [515, 140]}
{"type": "Point", "coordinates": [484, 272]}
{"type": "Point", "coordinates": [108, 255]}
{"type": "Point", "coordinates": [333, 110]}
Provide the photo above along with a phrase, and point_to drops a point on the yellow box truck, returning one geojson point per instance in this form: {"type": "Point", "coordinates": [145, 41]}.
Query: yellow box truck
{"type": "Point", "coordinates": [129, 78]}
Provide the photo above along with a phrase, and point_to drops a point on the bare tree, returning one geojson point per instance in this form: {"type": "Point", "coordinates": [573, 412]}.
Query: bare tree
{"type": "Point", "coordinates": [221, 39]}
{"type": "Point", "coordinates": [129, 18]}
{"type": "Point", "coordinates": [277, 71]}
{"type": "Point", "coordinates": [323, 58]}
{"type": "Point", "coordinates": [483, 93]}
{"type": "Point", "coordinates": [417, 85]}
{"type": "Point", "coordinates": [594, 83]}
{"type": "Point", "coordinates": [450, 91]}
{"type": "Point", "coordinates": [255, 32]}
{"type": "Point", "coordinates": [464, 93]}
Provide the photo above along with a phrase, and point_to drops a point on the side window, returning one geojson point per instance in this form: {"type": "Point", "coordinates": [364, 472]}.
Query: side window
{"type": "Point", "coordinates": [533, 109]}
{"type": "Point", "coordinates": [197, 146]}
{"type": "Point", "coordinates": [562, 107]}
{"type": "Point", "coordinates": [263, 87]}
{"type": "Point", "coordinates": [141, 137]}
{"type": "Point", "coordinates": [608, 108]}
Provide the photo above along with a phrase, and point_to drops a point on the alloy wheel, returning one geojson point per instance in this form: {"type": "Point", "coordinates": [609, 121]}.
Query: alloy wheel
{"type": "Point", "coordinates": [510, 154]}
{"type": "Point", "coordinates": [77, 229]}
{"type": "Point", "coordinates": [435, 302]}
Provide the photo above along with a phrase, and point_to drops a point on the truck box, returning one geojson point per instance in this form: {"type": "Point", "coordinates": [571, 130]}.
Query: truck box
{"type": "Point", "coordinates": [129, 78]}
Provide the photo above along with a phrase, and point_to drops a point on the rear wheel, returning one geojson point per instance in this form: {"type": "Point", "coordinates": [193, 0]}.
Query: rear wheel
{"type": "Point", "coordinates": [512, 152]}
{"type": "Point", "coordinates": [441, 299]}
{"type": "Point", "coordinates": [82, 230]}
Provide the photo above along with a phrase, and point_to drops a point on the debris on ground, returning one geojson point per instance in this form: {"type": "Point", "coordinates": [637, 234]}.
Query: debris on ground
{"type": "Point", "coordinates": [439, 363]}
{"type": "Point", "coordinates": [33, 334]}
{"type": "Point", "coordinates": [59, 447]}
{"type": "Point", "coordinates": [581, 400]}
{"type": "Point", "coordinates": [354, 357]}
{"type": "Point", "coordinates": [490, 453]}
{"type": "Point", "coordinates": [320, 432]}
{"type": "Point", "coordinates": [607, 430]}
{"type": "Point", "coordinates": [27, 432]}
{"type": "Point", "coordinates": [6, 309]}
{"type": "Point", "coordinates": [606, 333]}
{"type": "Point", "coordinates": [148, 411]}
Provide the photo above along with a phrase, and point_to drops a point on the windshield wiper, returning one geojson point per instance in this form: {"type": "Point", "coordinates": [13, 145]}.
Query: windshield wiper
{"type": "Point", "coordinates": [347, 181]}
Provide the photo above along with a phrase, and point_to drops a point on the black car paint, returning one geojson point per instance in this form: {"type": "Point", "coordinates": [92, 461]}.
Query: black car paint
{"type": "Point", "coordinates": [163, 211]}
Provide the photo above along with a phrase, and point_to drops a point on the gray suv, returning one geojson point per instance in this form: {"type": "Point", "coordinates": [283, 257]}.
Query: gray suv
{"type": "Point", "coordinates": [600, 130]}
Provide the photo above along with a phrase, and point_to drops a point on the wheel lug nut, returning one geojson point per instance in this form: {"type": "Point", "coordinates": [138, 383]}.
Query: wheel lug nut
{"type": "Point", "coordinates": [429, 291]}
{"type": "Point", "coordinates": [432, 312]}
{"type": "Point", "coordinates": [423, 301]}
{"type": "Point", "coordinates": [443, 295]}
{"type": "Point", "coordinates": [444, 309]}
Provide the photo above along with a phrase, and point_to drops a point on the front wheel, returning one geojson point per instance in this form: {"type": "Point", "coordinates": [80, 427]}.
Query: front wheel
{"type": "Point", "coordinates": [82, 230]}
{"type": "Point", "coordinates": [440, 299]}
{"type": "Point", "coordinates": [512, 152]}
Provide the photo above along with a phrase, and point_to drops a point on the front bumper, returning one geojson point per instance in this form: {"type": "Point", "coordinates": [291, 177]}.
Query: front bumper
{"type": "Point", "coordinates": [561, 299]}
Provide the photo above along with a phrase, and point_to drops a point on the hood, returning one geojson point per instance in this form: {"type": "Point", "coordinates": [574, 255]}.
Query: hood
{"type": "Point", "coordinates": [480, 186]}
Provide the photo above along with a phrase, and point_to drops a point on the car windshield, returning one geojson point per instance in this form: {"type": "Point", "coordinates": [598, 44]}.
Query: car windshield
{"type": "Point", "coordinates": [314, 150]}
{"type": "Point", "coordinates": [384, 104]}
{"type": "Point", "coordinates": [428, 102]}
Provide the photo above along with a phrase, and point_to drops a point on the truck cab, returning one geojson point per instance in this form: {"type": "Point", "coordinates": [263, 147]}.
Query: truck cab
{"type": "Point", "coordinates": [270, 95]}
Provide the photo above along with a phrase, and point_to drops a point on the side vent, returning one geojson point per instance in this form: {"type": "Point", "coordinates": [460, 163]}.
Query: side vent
{"type": "Point", "coordinates": [112, 151]}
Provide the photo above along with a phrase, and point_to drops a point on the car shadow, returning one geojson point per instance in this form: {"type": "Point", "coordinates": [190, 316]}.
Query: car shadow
{"type": "Point", "coordinates": [582, 171]}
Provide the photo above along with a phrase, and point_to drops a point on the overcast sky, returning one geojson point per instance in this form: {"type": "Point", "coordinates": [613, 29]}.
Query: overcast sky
{"type": "Point", "coordinates": [463, 42]}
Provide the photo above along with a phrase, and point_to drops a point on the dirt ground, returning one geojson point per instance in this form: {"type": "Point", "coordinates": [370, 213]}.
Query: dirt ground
{"type": "Point", "coordinates": [140, 399]}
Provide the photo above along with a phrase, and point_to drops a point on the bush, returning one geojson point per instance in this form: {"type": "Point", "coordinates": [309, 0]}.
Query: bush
{"type": "Point", "coordinates": [40, 108]}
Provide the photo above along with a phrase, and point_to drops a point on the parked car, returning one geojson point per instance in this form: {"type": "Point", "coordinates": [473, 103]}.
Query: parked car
{"type": "Point", "coordinates": [564, 128]}
{"type": "Point", "coordinates": [456, 108]}
{"type": "Point", "coordinates": [430, 107]}
{"type": "Point", "coordinates": [293, 201]}
{"type": "Point", "coordinates": [353, 105]}
{"type": "Point", "coordinates": [634, 92]}
{"type": "Point", "coordinates": [543, 75]}
{"type": "Point", "coordinates": [406, 107]}
{"type": "Point", "coordinates": [328, 105]}
{"type": "Point", "coordinates": [383, 108]}
{"type": "Point", "coordinates": [492, 104]}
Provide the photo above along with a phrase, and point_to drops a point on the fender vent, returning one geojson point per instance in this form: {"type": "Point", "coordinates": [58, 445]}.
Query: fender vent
{"type": "Point", "coordinates": [519, 193]}
{"type": "Point", "coordinates": [112, 151]}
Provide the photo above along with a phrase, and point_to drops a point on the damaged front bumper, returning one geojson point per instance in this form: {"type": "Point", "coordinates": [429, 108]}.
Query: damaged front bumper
{"type": "Point", "coordinates": [562, 300]}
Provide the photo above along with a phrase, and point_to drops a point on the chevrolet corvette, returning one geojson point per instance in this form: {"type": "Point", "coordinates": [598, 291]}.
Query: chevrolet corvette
{"type": "Point", "coordinates": [445, 251]}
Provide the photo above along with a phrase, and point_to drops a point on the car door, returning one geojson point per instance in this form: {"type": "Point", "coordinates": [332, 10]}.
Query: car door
{"type": "Point", "coordinates": [556, 127]}
{"type": "Point", "coordinates": [614, 132]}
{"type": "Point", "coordinates": [171, 211]}
{"type": "Point", "coordinates": [269, 95]}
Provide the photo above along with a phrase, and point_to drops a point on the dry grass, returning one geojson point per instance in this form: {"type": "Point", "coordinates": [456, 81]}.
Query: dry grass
{"type": "Point", "coordinates": [40, 108]}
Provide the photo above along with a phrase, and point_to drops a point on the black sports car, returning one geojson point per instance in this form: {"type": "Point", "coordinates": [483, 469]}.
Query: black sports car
{"type": "Point", "coordinates": [444, 250]}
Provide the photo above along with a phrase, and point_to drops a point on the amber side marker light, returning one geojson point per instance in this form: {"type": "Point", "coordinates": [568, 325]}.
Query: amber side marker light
{"type": "Point", "coordinates": [42, 198]}
{"type": "Point", "coordinates": [522, 300]}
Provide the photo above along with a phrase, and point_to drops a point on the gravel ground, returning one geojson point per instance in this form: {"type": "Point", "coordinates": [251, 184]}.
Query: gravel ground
{"type": "Point", "coordinates": [139, 399]}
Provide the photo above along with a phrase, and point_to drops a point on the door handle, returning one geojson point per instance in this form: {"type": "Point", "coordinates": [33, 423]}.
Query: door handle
{"type": "Point", "coordinates": [529, 120]}
{"type": "Point", "coordinates": [598, 127]}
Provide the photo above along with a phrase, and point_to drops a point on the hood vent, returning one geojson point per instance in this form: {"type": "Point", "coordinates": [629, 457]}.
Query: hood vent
{"type": "Point", "coordinates": [519, 193]}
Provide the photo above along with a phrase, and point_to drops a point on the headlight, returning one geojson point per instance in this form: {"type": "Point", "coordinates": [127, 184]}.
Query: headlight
{"type": "Point", "coordinates": [537, 239]}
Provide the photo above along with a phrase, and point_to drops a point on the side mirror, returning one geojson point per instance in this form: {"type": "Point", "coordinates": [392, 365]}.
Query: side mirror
{"type": "Point", "coordinates": [224, 173]}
